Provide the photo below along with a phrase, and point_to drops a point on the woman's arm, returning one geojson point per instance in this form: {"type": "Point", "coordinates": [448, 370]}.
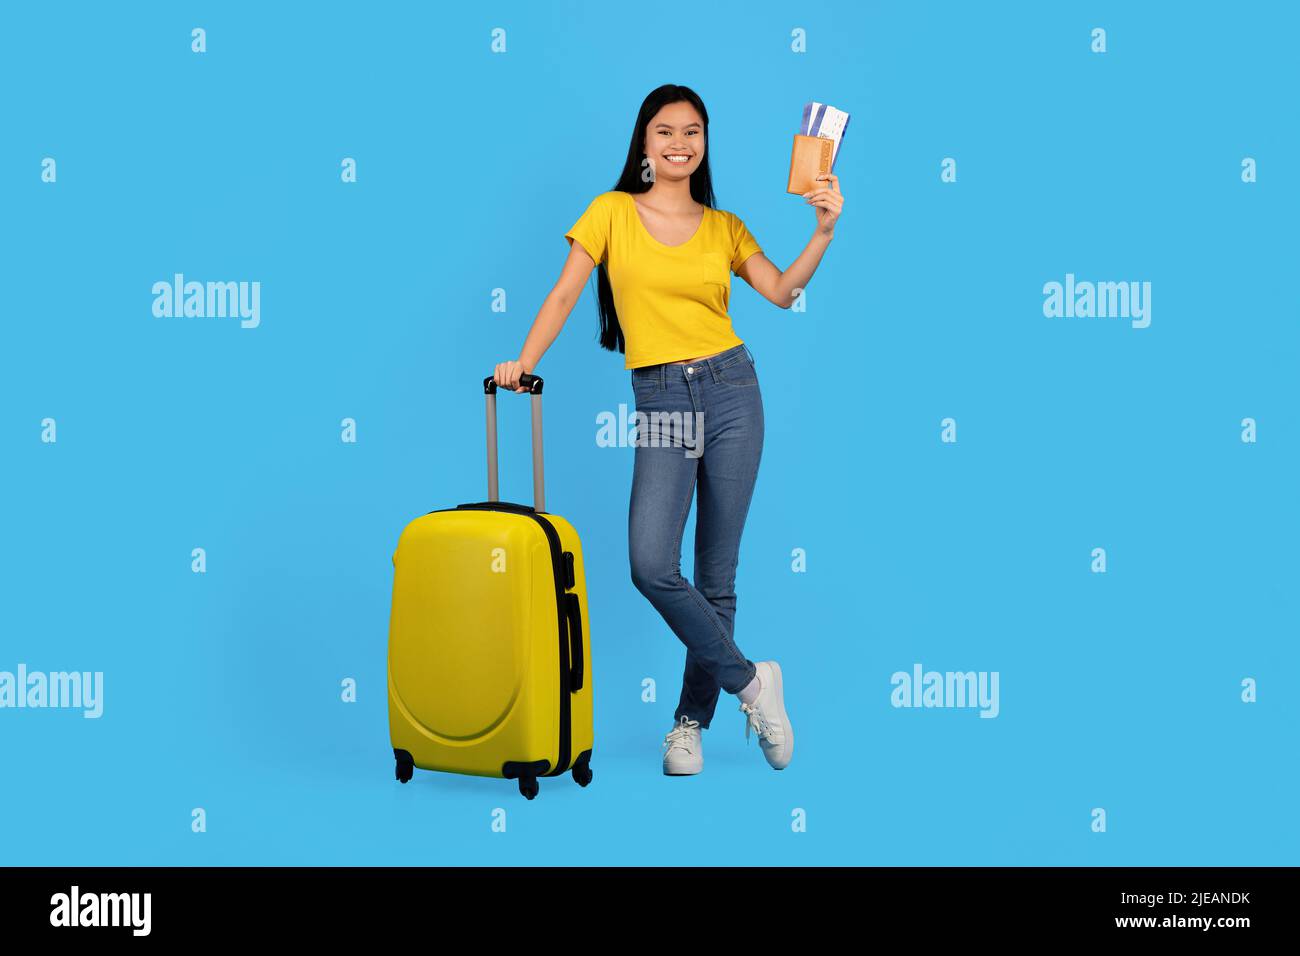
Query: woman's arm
{"type": "Point", "coordinates": [779, 287]}
{"type": "Point", "coordinates": [551, 317]}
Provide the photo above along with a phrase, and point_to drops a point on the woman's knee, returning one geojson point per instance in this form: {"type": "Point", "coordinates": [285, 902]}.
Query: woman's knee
{"type": "Point", "coordinates": [650, 574]}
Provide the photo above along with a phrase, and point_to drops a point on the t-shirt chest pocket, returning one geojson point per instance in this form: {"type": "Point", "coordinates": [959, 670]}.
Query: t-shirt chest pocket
{"type": "Point", "coordinates": [714, 268]}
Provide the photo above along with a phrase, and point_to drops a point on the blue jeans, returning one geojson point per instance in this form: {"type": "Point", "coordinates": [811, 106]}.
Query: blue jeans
{"type": "Point", "coordinates": [703, 425]}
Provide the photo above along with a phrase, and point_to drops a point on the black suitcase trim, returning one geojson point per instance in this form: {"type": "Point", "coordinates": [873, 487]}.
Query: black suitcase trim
{"type": "Point", "coordinates": [557, 568]}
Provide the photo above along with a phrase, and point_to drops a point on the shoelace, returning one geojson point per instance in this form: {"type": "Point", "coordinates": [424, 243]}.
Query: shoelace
{"type": "Point", "coordinates": [680, 736]}
{"type": "Point", "coordinates": [756, 721]}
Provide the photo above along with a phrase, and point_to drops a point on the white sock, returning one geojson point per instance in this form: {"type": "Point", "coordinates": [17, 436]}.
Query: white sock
{"type": "Point", "coordinates": [749, 693]}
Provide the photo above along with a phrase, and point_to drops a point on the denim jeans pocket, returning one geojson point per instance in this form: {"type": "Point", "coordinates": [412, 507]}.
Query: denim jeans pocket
{"type": "Point", "coordinates": [645, 382]}
{"type": "Point", "coordinates": [742, 373]}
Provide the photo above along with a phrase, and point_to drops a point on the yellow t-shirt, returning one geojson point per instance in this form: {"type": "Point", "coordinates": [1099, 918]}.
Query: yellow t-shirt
{"type": "Point", "coordinates": [671, 300]}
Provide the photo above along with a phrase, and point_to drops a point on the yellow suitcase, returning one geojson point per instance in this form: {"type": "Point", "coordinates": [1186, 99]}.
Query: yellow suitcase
{"type": "Point", "coordinates": [489, 652]}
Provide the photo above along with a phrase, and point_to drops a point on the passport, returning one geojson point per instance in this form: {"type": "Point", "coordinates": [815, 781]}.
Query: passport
{"type": "Point", "coordinates": [810, 157]}
{"type": "Point", "coordinates": [816, 146]}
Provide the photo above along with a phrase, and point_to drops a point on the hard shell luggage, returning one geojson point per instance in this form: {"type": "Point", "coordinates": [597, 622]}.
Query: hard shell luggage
{"type": "Point", "coordinates": [489, 653]}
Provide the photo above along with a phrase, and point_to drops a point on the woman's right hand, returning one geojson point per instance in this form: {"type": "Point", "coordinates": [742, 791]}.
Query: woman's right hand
{"type": "Point", "coordinates": [507, 375]}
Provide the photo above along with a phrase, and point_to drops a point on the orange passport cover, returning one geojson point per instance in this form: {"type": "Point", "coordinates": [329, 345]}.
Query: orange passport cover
{"type": "Point", "coordinates": [809, 158]}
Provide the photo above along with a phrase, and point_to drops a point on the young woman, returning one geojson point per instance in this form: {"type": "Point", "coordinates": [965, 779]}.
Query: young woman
{"type": "Point", "coordinates": [666, 258]}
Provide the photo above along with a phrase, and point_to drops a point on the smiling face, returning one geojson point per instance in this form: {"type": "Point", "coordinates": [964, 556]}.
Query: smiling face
{"type": "Point", "coordinates": [674, 141]}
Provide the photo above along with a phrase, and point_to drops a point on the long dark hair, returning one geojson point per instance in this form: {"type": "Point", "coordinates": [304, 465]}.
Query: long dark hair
{"type": "Point", "coordinates": [630, 181]}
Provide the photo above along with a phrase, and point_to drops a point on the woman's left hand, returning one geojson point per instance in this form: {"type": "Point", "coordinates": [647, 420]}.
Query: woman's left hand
{"type": "Point", "coordinates": [828, 203]}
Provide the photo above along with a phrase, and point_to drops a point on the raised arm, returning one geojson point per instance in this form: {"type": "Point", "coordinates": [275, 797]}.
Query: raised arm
{"type": "Point", "coordinates": [779, 287]}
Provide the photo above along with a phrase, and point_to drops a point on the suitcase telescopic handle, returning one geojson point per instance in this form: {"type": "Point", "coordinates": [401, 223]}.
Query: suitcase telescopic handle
{"type": "Point", "coordinates": [534, 385]}
{"type": "Point", "coordinates": [531, 382]}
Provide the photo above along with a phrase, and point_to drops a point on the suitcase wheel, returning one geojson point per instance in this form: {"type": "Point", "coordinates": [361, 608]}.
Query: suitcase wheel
{"type": "Point", "coordinates": [405, 767]}
{"type": "Point", "coordinates": [528, 787]}
{"type": "Point", "coordinates": [582, 769]}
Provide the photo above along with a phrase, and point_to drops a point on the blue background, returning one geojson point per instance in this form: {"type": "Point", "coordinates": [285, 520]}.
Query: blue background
{"type": "Point", "coordinates": [222, 690]}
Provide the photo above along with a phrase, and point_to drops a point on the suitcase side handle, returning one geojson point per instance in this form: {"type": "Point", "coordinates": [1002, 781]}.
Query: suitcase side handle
{"type": "Point", "coordinates": [534, 385]}
{"type": "Point", "coordinates": [575, 642]}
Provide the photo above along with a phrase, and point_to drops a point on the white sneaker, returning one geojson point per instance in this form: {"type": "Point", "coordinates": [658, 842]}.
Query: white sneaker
{"type": "Point", "coordinates": [767, 716]}
{"type": "Point", "coordinates": [683, 748]}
